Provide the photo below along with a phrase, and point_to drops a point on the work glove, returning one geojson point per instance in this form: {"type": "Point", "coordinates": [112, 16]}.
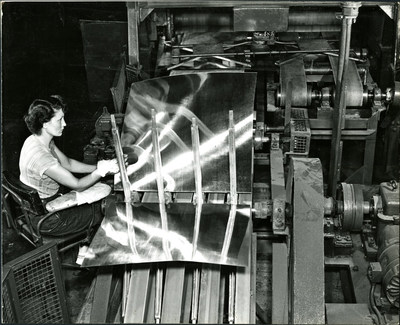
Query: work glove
{"type": "Point", "coordinates": [105, 167]}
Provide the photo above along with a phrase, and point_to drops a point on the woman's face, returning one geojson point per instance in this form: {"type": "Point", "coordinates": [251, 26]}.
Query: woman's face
{"type": "Point", "coordinates": [56, 125]}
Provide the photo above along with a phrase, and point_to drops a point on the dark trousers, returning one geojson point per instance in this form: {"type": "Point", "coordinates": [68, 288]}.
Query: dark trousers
{"type": "Point", "coordinates": [72, 220]}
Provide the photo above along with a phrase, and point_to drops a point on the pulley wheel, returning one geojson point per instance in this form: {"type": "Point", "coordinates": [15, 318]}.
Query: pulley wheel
{"type": "Point", "coordinates": [396, 95]}
{"type": "Point", "coordinates": [353, 214]}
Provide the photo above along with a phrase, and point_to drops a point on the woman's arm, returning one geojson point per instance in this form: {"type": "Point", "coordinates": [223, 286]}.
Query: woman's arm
{"type": "Point", "coordinates": [73, 165]}
{"type": "Point", "coordinates": [63, 176]}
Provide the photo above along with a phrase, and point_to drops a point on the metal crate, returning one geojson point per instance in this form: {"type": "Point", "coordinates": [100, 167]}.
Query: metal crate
{"type": "Point", "coordinates": [300, 132]}
{"type": "Point", "coordinates": [33, 289]}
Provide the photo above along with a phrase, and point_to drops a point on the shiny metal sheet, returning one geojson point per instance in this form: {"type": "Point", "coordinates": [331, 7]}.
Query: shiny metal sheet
{"type": "Point", "coordinates": [208, 97]}
{"type": "Point", "coordinates": [110, 246]}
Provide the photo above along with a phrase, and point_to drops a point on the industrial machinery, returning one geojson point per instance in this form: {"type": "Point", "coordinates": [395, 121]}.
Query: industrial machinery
{"type": "Point", "coordinates": [264, 177]}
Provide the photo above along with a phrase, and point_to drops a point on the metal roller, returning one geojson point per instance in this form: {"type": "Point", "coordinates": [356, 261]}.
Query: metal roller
{"type": "Point", "coordinates": [203, 20]}
{"type": "Point", "coordinates": [315, 17]}
{"type": "Point", "coordinates": [353, 207]}
{"type": "Point", "coordinates": [223, 20]}
{"type": "Point", "coordinates": [396, 95]}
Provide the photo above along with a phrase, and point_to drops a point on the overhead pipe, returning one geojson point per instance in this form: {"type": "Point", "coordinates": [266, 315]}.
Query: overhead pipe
{"type": "Point", "coordinates": [221, 19]}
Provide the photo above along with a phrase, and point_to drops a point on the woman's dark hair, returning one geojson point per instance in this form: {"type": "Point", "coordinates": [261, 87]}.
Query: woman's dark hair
{"type": "Point", "coordinates": [42, 111]}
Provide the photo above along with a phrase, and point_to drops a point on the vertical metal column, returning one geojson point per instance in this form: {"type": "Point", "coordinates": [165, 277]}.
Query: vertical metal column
{"type": "Point", "coordinates": [133, 33]}
{"type": "Point", "coordinates": [233, 187]}
{"type": "Point", "coordinates": [138, 293]}
{"type": "Point", "coordinates": [232, 216]}
{"type": "Point", "coordinates": [350, 13]}
{"type": "Point", "coordinates": [396, 20]}
{"type": "Point", "coordinates": [199, 204]}
{"type": "Point", "coordinates": [128, 208]}
{"type": "Point", "coordinates": [160, 184]}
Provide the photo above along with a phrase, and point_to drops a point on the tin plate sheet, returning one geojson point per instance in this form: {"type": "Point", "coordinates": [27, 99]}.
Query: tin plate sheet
{"type": "Point", "coordinates": [208, 97]}
{"type": "Point", "coordinates": [110, 246]}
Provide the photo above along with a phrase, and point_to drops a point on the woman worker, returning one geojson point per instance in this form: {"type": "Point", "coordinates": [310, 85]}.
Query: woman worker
{"type": "Point", "coordinates": [44, 167]}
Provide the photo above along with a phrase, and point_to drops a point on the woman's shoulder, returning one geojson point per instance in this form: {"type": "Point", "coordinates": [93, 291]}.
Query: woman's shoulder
{"type": "Point", "coordinates": [29, 143]}
{"type": "Point", "coordinates": [33, 147]}
{"type": "Point", "coordinates": [30, 139]}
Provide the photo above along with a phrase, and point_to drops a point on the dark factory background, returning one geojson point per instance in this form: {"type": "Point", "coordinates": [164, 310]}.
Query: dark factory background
{"type": "Point", "coordinates": [55, 48]}
{"type": "Point", "coordinates": [43, 54]}
{"type": "Point", "coordinates": [74, 49]}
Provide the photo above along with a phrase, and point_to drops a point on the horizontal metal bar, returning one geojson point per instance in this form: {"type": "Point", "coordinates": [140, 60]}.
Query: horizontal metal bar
{"type": "Point", "coordinates": [360, 123]}
{"type": "Point", "coordinates": [346, 134]}
{"type": "Point", "coordinates": [232, 3]}
{"type": "Point", "coordinates": [250, 53]}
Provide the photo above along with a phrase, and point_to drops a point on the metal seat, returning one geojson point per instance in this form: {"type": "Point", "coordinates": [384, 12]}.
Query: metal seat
{"type": "Point", "coordinates": [22, 203]}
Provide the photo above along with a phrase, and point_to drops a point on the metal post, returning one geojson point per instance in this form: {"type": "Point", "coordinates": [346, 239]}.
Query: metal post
{"type": "Point", "coordinates": [231, 297]}
{"type": "Point", "coordinates": [158, 295]}
{"type": "Point", "coordinates": [125, 184]}
{"type": "Point", "coordinates": [199, 204]}
{"type": "Point", "coordinates": [160, 184]}
{"type": "Point", "coordinates": [133, 33]}
{"type": "Point", "coordinates": [198, 183]}
{"type": "Point", "coordinates": [396, 20]}
{"type": "Point", "coordinates": [233, 189]}
{"type": "Point", "coordinates": [350, 13]}
{"type": "Point", "coordinates": [195, 296]}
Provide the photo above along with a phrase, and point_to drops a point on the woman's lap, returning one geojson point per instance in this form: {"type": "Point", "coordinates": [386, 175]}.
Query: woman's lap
{"type": "Point", "coordinates": [72, 220]}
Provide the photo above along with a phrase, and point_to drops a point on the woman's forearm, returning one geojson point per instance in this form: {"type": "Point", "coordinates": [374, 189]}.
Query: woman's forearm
{"type": "Point", "coordinates": [80, 167]}
{"type": "Point", "coordinates": [87, 181]}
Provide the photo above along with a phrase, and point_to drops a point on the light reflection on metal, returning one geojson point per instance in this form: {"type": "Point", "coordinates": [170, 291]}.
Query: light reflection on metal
{"type": "Point", "coordinates": [195, 296]}
{"type": "Point", "coordinates": [110, 245]}
{"type": "Point", "coordinates": [125, 183]}
{"type": "Point", "coordinates": [177, 100]}
{"type": "Point", "coordinates": [160, 183]}
{"type": "Point", "coordinates": [211, 151]}
{"type": "Point", "coordinates": [197, 180]}
{"type": "Point", "coordinates": [233, 192]}
{"type": "Point", "coordinates": [199, 204]}
{"type": "Point", "coordinates": [191, 133]}
{"type": "Point", "coordinates": [158, 295]}
{"type": "Point", "coordinates": [231, 297]}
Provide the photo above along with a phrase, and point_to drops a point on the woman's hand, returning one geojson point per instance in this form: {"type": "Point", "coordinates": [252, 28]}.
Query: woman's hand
{"type": "Point", "coordinates": [105, 167]}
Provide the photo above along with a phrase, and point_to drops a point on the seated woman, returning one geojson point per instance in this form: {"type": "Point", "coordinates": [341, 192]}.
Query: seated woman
{"type": "Point", "coordinates": [44, 167]}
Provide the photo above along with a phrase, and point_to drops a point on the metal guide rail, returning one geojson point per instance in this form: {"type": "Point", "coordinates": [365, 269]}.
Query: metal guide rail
{"type": "Point", "coordinates": [225, 294]}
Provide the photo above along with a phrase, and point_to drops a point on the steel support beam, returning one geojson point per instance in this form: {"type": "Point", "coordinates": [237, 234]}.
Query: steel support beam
{"type": "Point", "coordinates": [137, 300]}
{"type": "Point", "coordinates": [173, 294]}
{"type": "Point", "coordinates": [133, 32]}
{"type": "Point", "coordinates": [244, 295]}
{"type": "Point", "coordinates": [209, 294]}
{"type": "Point", "coordinates": [101, 296]}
